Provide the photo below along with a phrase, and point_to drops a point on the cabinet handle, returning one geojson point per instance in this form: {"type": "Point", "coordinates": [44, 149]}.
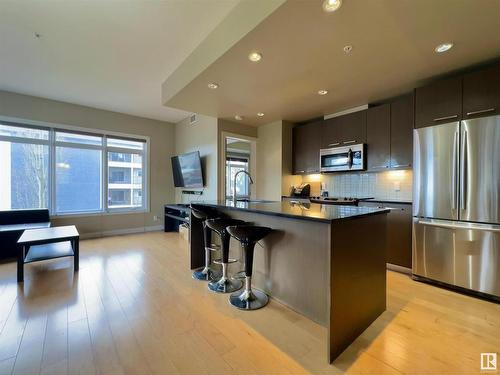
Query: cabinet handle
{"type": "Point", "coordinates": [380, 167]}
{"type": "Point", "coordinates": [348, 142]}
{"type": "Point", "coordinates": [334, 144]}
{"type": "Point", "coordinates": [301, 171]}
{"type": "Point", "coordinates": [445, 118]}
{"type": "Point", "coordinates": [401, 165]}
{"type": "Point", "coordinates": [481, 111]}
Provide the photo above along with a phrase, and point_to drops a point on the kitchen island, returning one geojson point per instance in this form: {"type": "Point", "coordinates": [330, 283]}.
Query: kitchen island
{"type": "Point", "coordinates": [326, 262]}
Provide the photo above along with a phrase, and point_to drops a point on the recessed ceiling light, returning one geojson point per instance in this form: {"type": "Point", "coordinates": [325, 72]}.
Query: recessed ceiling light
{"type": "Point", "coordinates": [213, 85]}
{"type": "Point", "coordinates": [255, 56]}
{"type": "Point", "coordinates": [260, 114]}
{"type": "Point", "coordinates": [443, 47]}
{"type": "Point", "coordinates": [347, 49]}
{"type": "Point", "coordinates": [322, 92]}
{"type": "Point", "coordinates": [331, 5]}
{"type": "Point", "coordinates": [238, 117]}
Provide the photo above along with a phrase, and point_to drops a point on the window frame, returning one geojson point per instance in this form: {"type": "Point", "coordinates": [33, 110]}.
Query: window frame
{"type": "Point", "coordinates": [53, 144]}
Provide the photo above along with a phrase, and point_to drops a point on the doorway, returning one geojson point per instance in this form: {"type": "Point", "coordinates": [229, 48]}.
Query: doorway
{"type": "Point", "coordinates": [238, 155]}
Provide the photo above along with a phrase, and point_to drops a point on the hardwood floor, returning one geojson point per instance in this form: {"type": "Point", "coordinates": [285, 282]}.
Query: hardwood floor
{"type": "Point", "coordinates": [134, 309]}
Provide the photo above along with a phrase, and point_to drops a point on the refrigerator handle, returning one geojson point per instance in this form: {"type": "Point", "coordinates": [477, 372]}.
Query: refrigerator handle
{"type": "Point", "coordinates": [463, 171]}
{"type": "Point", "coordinates": [454, 196]}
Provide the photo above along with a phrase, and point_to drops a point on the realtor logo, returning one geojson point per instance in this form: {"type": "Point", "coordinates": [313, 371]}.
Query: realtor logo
{"type": "Point", "coordinates": [488, 361]}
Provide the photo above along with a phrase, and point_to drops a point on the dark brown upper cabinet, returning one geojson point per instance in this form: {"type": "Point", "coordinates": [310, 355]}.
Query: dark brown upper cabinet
{"type": "Point", "coordinates": [344, 130]}
{"type": "Point", "coordinates": [306, 145]}
{"type": "Point", "coordinates": [481, 93]}
{"type": "Point", "coordinates": [329, 133]}
{"type": "Point", "coordinates": [352, 128]}
{"type": "Point", "coordinates": [439, 103]}
{"type": "Point", "coordinates": [378, 137]}
{"type": "Point", "coordinates": [402, 121]}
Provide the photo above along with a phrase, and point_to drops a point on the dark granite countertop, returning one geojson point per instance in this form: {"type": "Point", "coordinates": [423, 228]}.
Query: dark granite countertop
{"type": "Point", "coordinates": [378, 200]}
{"type": "Point", "coordinates": [301, 211]}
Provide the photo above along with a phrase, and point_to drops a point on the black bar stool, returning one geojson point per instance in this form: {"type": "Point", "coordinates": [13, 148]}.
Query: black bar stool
{"type": "Point", "coordinates": [249, 299]}
{"type": "Point", "coordinates": [208, 272]}
{"type": "Point", "coordinates": [224, 284]}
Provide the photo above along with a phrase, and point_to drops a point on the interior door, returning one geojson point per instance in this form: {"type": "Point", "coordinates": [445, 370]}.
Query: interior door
{"type": "Point", "coordinates": [435, 173]}
{"type": "Point", "coordinates": [480, 170]}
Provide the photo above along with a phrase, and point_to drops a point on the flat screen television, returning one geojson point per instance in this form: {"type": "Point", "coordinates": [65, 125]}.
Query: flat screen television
{"type": "Point", "coordinates": [187, 170]}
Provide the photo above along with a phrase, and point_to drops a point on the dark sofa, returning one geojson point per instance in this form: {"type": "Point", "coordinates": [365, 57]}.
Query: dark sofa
{"type": "Point", "coordinates": [12, 225]}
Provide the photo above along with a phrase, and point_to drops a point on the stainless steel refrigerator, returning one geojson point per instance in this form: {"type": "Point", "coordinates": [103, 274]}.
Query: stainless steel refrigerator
{"type": "Point", "coordinates": [456, 204]}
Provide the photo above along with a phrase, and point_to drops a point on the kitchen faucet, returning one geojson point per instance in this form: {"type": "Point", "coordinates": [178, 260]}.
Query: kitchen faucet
{"type": "Point", "coordinates": [234, 183]}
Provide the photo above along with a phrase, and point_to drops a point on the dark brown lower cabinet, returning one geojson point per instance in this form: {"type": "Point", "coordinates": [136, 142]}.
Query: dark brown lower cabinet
{"type": "Point", "coordinates": [398, 232]}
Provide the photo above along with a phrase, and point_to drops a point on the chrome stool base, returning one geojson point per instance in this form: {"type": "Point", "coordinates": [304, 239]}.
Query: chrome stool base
{"type": "Point", "coordinates": [240, 275]}
{"type": "Point", "coordinates": [249, 299]}
{"type": "Point", "coordinates": [204, 274]}
{"type": "Point", "coordinates": [225, 285]}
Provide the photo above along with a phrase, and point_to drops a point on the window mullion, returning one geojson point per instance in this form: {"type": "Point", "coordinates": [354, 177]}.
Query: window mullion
{"type": "Point", "coordinates": [104, 188]}
{"type": "Point", "coordinates": [52, 173]}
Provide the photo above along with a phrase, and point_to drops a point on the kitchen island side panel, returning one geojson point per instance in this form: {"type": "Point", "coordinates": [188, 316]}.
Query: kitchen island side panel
{"type": "Point", "coordinates": [358, 279]}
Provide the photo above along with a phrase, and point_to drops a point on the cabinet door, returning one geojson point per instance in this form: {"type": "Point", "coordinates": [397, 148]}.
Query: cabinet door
{"type": "Point", "coordinates": [399, 223]}
{"type": "Point", "coordinates": [330, 133]}
{"type": "Point", "coordinates": [299, 149]}
{"type": "Point", "coordinates": [378, 128]}
{"type": "Point", "coordinates": [305, 149]}
{"type": "Point", "coordinates": [481, 93]}
{"type": "Point", "coordinates": [439, 103]}
{"type": "Point", "coordinates": [351, 128]}
{"type": "Point", "coordinates": [313, 146]}
{"type": "Point", "coordinates": [402, 120]}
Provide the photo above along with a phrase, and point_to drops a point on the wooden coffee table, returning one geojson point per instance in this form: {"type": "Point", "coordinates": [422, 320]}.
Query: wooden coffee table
{"type": "Point", "coordinates": [47, 243]}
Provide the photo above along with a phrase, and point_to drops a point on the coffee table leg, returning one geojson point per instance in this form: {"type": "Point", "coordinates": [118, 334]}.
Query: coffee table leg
{"type": "Point", "coordinates": [20, 264]}
{"type": "Point", "coordinates": [76, 252]}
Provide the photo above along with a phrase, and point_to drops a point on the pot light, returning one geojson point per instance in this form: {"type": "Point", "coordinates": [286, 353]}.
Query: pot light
{"type": "Point", "coordinates": [322, 92]}
{"type": "Point", "coordinates": [213, 85]}
{"type": "Point", "coordinates": [347, 49]}
{"type": "Point", "coordinates": [443, 47]}
{"type": "Point", "coordinates": [331, 5]}
{"type": "Point", "coordinates": [238, 117]}
{"type": "Point", "coordinates": [255, 56]}
{"type": "Point", "coordinates": [260, 114]}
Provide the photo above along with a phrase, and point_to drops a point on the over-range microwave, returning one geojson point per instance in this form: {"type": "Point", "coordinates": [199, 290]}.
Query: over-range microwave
{"type": "Point", "coordinates": [345, 158]}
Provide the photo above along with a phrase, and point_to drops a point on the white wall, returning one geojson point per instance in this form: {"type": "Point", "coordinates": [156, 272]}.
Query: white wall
{"type": "Point", "coordinates": [161, 134]}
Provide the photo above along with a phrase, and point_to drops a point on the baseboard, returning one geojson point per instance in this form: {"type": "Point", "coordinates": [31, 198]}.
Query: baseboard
{"type": "Point", "coordinates": [400, 269]}
{"type": "Point", "coordinates": [120, 232]}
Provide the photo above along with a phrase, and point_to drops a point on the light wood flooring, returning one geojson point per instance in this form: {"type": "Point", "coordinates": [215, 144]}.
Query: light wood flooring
{"type": "Point", "coordinates": [134, 309]}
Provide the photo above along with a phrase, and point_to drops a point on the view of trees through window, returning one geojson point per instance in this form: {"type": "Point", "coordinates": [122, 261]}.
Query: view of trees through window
{"type": "Point", "coordinates": [78, 164]}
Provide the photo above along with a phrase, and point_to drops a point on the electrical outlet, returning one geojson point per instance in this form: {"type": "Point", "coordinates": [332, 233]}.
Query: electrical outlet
{"type": "Point", "coordinates": [397, 186]}
{"type": "Point", "coordinates": [156, 218]}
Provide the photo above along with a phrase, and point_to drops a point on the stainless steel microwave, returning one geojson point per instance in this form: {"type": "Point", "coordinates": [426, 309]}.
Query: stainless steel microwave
{"type": "Point", "coordinates": [345, 158]}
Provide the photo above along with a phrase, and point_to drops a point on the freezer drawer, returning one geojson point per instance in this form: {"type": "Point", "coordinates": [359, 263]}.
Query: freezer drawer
{"type": "Point", "coordinates": [462, 254]}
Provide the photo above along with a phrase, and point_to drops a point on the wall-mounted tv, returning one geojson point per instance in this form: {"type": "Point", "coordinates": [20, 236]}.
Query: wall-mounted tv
{"type": "Point", "coordinates": [187, 170]}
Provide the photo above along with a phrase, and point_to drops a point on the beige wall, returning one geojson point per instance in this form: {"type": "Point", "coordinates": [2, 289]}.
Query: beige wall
{"type": "Point", "coordinates": [161, 148]}
{"type": "Point", "coordinates": [269, 161]}
{"type": "Point", "coordinates": [200, 136]}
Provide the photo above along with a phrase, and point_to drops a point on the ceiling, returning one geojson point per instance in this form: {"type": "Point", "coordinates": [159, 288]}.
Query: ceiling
{"type": "Point", "coordinates": [302, 46]}
{"type": "Point", "coordinates": [108, 54]}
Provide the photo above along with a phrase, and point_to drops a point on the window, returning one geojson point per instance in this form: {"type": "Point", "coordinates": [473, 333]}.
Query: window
{"type": "Point", "coordinates": [66, 171]}
{"type": "Point", "coordinates": [234, 164]}
{"type": "Point", "coordinates": [125, 178]}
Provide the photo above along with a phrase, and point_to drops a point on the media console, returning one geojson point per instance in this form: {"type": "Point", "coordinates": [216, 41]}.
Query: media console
{"type": "Point", "coordinates": [175, 215]}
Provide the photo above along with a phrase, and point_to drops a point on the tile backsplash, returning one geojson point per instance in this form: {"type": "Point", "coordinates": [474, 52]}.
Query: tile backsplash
{"type": "Point", "coordinates": [390, 185]}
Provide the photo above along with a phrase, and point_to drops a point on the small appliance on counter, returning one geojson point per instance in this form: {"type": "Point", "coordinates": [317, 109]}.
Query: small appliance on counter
{"type": "Point", "coordinates": [301, 191]}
